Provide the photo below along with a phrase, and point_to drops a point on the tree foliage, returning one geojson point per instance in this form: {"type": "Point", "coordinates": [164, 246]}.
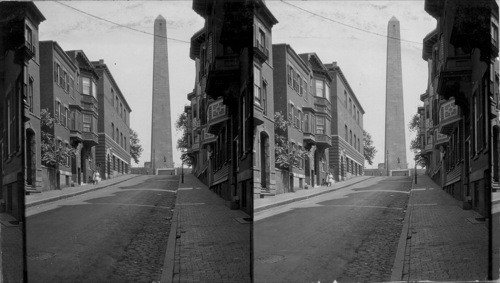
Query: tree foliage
{"type": "Point", "coordinates": [286, 156]}
{"type": "Point", "coordinates": [181, 125]}
{"type": "Point", "coordinates": [135, 146]}
{"type": "Point", "coordinates": [415, 144]}
{"type": "Point", "coordinates": [368, 147]}
{"type": "Point", "coordinates": [53, 152]}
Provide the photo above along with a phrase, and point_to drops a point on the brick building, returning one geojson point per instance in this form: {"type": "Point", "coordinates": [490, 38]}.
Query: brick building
{"type": "Point", "coordinates": [463, 78]}
{"type": "Point", "coordinates": [224, 100]}
{"type": "Point", "coordinates": [346, 155]}
{"type": "Point", "coordinates": [59, 94]}
{"type": "Point", "coordinates": [294, 100]}
{"type": "Point", "coordinates": [19, 96]}
{"type": "Point", "coordinates": [264, 173]}
{"type": "Point", "coordinates": [113, 149]}
{"type": "Point", "coordinates": [84, 117]}
{"type": "Point", "coordinates": [321, 86]}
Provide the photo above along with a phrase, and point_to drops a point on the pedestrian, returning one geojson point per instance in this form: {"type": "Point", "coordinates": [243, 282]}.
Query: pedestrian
{"type": "Point", "coordinates": [330, 179]}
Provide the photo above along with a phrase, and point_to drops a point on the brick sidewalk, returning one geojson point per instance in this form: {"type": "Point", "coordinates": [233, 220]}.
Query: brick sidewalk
{"type": "Point", "coordinates": [213, 241]}
{"type": "Point", "coordinates": [444, 242]}
{"type": "Point", "coordinates": [261, 204]}
{"type": "Point", "coordinates": [48, 196]}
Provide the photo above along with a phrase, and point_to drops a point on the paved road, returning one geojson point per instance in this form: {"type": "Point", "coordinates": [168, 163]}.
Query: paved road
{"type": "Point", "coordinates": [116, 234]}
{"type": "Point", "coordinates": [347, 235]}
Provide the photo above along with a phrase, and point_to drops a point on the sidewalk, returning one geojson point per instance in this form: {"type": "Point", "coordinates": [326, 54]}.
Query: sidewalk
{"type": "Point", "coordinates": [208, 241]}
{"type": "Point", "coordinates": [261, 204]}
{"type": "Point", "coordinates": [35, 199]}
{"type": "Point", "coordinates": [440, 240]}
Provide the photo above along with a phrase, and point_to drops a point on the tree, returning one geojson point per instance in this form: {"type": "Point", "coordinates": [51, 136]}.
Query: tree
{"type": "Point", "coordinates": [135, 146]}
{"type": "Point", "coordinates": [368, 147]}
{"type": "Point", "coordinates": [54, 153]}
{"type": "Point", "coordinates": [286, 156]}
{"type": "Point", "coordinates": [181, 125]}
{"type": "Point", "coordinates": [415, 144]}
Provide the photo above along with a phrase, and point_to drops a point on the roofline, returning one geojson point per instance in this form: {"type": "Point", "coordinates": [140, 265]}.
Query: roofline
{"type": "Point", "coordinates": [99, 66]}
{"type": "Point", "coordinates": [61, 52]}
{"type": "Point", "coordinates": [337, 69]}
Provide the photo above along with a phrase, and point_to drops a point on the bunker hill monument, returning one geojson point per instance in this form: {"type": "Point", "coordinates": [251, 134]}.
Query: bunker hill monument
{"type": "Point", "coordinates": [395, 142]}
{"type": "Point", "coordinates": [161, 128]}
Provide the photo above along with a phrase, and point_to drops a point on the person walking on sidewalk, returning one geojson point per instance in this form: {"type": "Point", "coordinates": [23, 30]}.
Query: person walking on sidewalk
{"type": "Point", "coordinates": [330, 179]}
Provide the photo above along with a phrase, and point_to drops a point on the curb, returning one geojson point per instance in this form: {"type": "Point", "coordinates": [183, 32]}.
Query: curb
{"type": "Point", "coordinates": [259, 209]}
{"type": "Point", "coordinates": [399, 260]}
{"type": "Point", "coordinates": [35, 203]}
{"type": "Point", "coordinates": [167, 271]}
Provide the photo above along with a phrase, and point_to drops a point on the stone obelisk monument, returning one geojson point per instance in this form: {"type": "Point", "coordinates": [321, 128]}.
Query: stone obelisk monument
{"type": "Point", "coordinates": [395, 143]}
{"type": "Point", "coordinates": [161, 128]}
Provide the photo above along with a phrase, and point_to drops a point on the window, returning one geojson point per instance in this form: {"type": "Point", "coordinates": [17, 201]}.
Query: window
{"type": "Point", "coordinates": [320, 88]}
{"type": "Point", "coordinates": [63, 116]}
{"type": "Point", "coordinates": [56, 111]}
{"type": "Point", "coordinates": [94, 89]}
{"type": "Point", "coordinates": [264, 97]}
{"type": "Point", "coordinates": [30, 94]}
{"type": "Point", "coordinates": [87, 123]}
{"type": "Point", "coordinates": [65, 85]}
{"type": "Point", "coordinates": [300, 120]}
{"type": "Point", "coordinates": [61, 78]}
{"type": "Point", "coordinates": [256, 85]}
{"type": "Point", "coordinates": [29, 37]}
{"type": "Point", "coordinates": [56, 72]}
{"type": "Point", "coordinates": [86, 85]}
{"type": "Point", "coordinates": [71, 85]}
{"type": "Point", "coordinates": [320, 125]}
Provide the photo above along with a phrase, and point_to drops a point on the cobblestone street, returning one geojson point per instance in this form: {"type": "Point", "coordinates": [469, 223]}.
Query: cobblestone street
{"type": "Point", "coordinates": [116, 234]}
{"type": "Point", "coordinates": [347, 235]}
{"type": "Point", "coordinates": [445, 242]}
{"type": "Point", "coordinates": [213, 241]}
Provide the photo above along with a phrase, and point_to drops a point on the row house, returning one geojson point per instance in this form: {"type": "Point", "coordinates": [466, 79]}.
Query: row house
{"type": "Point", "coordinates": [263, 104]}
{"type": "Point", "coordinates": [321, 86]}
{"type": "Point", "coordinates": [294, 100]}
{"type": "Point", "coordinates": [57, 93]}
{"type": "Point", "coordinates": [347, 153]}
{"type": "Point", "coordinates": [19, 116]}
{"type": "Point", "coordinates": [461, 99]}
{"type": "Point", "coordinates": [112, 155]}
{"type": "Point", "coordinates": [83, 118]}
{"type": "Point", "coordinates": [224, 99]}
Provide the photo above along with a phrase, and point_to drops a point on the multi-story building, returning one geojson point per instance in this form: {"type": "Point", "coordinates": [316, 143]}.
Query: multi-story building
{"type": "Point", "coordinates": [294, 100]}
{"type": "Point", "coordinates": [59, 94]}
{"type": "Point", "coordinates": [264, 173]}
{"type": "Point", "coordinates": [19, 98]}
{"type": "Point", "coordinates": [321, 84]}
{"type": "Point", "coordinates": [463, 84]}
{"type": "Point", "coordinates": [224, 97]}
{"type": "Point", "coordinates": [346, 155]}
{"type": "Point", "coordinates": [113, 149]}
{"type": "Point", "coordinates": [83, 118]}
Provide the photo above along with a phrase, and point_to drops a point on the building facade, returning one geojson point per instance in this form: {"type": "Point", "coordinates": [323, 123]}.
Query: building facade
{"type": "Point", "coordinates": [59, 94]}
{"type": "Point", "coordinates": [264, 172]}
{"type": "Point", "coordinates": [462, 99]}
{"type": "Point", "coordinates": [294, 100]}
{"type": "Point", "coordinates": [347, 154]}
{"type": "Point", "coordinates": [113, 128]}
{"type": "Point", "coordinates": [321, 91]}
{"type": "Point", "coordinates": [224, 100]}
{"type": "Point", "coordinates": [83, 119]}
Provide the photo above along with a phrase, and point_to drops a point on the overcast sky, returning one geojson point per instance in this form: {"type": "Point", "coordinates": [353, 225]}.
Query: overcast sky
{"type": "Point", "coordinates": [360, 54]}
